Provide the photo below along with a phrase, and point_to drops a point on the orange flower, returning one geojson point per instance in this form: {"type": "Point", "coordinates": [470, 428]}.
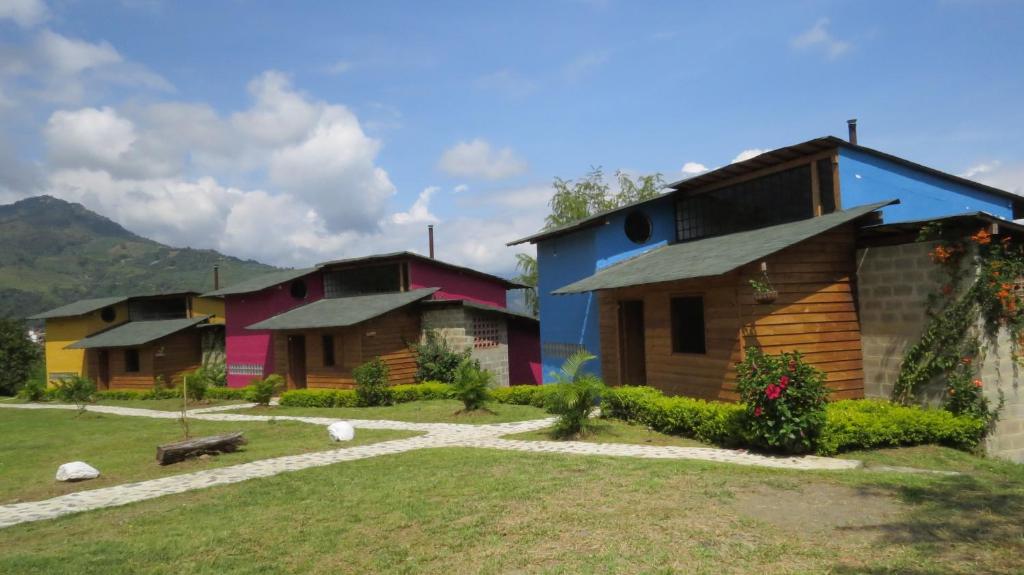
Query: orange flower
{"type": "Point", "coordinates": [966, 361]}
{"type": "Point", "coordinates": [982, 238]}
{"type": "Point", "coordinates": [977, 383]}
{"type": "Point", "coordinates": [940, 254]}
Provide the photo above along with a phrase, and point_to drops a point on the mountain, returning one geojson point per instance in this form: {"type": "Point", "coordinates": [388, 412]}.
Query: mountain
{"type": "Point", "coordinates": [53, 252]}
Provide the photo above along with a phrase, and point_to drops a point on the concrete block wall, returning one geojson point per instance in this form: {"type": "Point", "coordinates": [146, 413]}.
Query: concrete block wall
{"type": "Point", "coordinates": [893, 284]}
{"type": "Point", "coordinates": [455, 324]}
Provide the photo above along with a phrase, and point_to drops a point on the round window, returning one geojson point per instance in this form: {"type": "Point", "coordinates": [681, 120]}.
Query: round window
{"type": "Point", "coordinates": [108, 314]}
{"type": "Point", "coordinates": [298, 289]}
{"type": "Point", "coordinates": [638, 227]}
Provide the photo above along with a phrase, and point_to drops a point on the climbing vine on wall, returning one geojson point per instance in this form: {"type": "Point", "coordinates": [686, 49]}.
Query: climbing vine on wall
{"type": "Point", "coordinates": [988, 286]}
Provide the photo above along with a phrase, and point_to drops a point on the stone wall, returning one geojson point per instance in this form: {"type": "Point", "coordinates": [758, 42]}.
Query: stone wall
{"type": "Point", "coordinates": [893, 284]}
{"type": "Point", "coordinates": [485, 333]}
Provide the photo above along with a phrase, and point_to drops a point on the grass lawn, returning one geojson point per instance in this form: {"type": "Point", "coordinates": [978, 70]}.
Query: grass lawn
{"type": "Point", "coordinates": [433, 411]}
{"type": "Point", "coordinates": [172, 404]}
{"type": "Point", "coordinates": [37, 442]}
{"type": "Point", "coordinates": [615, 431]}
{"type": "Point", "coordinates": [458, 510]}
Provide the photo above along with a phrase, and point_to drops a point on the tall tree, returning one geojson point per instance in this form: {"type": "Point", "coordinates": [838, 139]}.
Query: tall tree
{"type": "Point", "coordinates": [18, 356]}
{"type": "Point", "coordinates": [577, 200]}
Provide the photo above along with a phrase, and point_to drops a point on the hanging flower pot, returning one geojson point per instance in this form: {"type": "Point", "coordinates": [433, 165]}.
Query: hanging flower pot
{"type": "Point", "coordinates": [764, 293]}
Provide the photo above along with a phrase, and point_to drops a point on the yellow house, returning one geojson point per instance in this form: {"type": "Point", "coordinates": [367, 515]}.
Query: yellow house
{"type": "Point", "coordinates": [72, 348]}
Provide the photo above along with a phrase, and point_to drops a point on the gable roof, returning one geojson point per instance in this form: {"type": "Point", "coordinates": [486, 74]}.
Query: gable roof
{"type": "Point", "coordinates": [391, 256]}
{"type": "Point", "coordinates": [261, 282]}
{"type": "Point", "coordinates": [342, 311]}
{"type": "Point", "coordinates": [713, 256]}
{"type": "Point", "coordinates": [80, 307]}
{"type": "Point", "coordinates": [137, 333]}
{"type": "Point", "coordinates": [761, 161]}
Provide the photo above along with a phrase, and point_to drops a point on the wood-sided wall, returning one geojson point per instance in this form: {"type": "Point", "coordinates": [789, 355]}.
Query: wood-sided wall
{"type": "Point", "coordinates": [170, 358]}
{"type": "Point", "coordinates": [389, 337]}
{"type": "Point", "coordinates": [815, 313]}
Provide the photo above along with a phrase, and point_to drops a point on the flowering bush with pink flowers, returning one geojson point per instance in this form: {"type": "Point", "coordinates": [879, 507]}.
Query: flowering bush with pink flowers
{"type": "Point", "coordinates": [784, 400]}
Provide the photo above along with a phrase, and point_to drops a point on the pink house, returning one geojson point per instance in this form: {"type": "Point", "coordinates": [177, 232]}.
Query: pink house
{"type": "Point", "coordinates": [314, 325]}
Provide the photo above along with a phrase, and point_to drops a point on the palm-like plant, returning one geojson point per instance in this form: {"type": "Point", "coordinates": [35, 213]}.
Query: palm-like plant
{"type": "Point", "coordinates": [472, 385]}
{"type": "Point", "coordinates": [577, 395]}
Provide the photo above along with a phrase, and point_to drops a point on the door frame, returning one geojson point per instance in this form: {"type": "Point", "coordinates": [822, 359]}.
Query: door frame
{"type": "Point", "coordinates": [627, 359]}
{"type": "Point", "coordinates": [103, 368]}
{"type": "Point", "coordinates": [297, 372]}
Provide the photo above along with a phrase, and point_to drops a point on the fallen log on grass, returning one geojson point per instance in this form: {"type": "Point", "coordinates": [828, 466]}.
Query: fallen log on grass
{"type": "Point", "coordinates": [181, 450]}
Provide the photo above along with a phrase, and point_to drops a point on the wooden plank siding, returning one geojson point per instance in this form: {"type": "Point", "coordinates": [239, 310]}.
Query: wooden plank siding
{"type": "Point", "coordinates": [815, 313]}
{"type": "Point", "coordinates": [171, 358]}
{"type": "Point", "coordinates": [389, 337]}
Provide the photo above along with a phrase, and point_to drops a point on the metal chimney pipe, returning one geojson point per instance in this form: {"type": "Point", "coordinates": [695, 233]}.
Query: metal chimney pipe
{"type": "Point", "coordinates": [430, 237]}
{"type": "Point", "coordinates": [216, 276]}
{"type": "Point", "coordinates": [852, 124]}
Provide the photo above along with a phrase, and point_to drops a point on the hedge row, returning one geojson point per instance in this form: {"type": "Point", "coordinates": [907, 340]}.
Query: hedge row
{"type": "Point", "coordinates": [849, 424]}
{"type": "Point", "coordinates": [239, 393]}
{"type": "Point", "coordinates": [535, 395]}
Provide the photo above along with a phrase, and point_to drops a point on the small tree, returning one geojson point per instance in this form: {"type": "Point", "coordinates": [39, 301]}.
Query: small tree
{"type": "Point", "coordinates": [18, 356]}
{"type": "Point", "coordinates": [472, 385]}
{"type": "Point", "coordinates": [372, 383]}
{"type": "Point", "coordinates": [198, 382]}
{"type": "Point", "coordinates": [261, 391]}
{"type": "Point", "coordinates": [76, 389]}
{"type": "Point", "coordinates": [578, 393]}
{"type": "Point", "coordinates": [436, 360]}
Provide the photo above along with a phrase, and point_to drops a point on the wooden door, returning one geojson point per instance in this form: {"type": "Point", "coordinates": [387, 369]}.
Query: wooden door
{"type": "Point", "coordinates": [632, 360]}
{"type": "Point", "coordinates": [296, 362]}
{"type": "Point", "coordinates": [103, 369]}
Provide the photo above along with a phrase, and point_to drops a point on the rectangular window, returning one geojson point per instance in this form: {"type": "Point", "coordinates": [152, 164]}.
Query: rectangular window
{"type": "Point", "coordinates": [131, 361]}
{"type": "Point", "coordinates": [775, 198]}
{"type": "Point", "coordinates": [328, 345]}
{"type": "Point", "coordinates": [358, 281]}
{"type": "Point", "coordinates": [688, 325]}
{"type": "Point", "coordinates": [486, 333]}
{"type": "Point", "coordinates": [828, 194]}
{"type": "Point", "coordinates": [154, 309]}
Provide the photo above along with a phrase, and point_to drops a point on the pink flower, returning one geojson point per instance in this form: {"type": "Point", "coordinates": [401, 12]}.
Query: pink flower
{"type": "Point", "coordinates": [758, 411]}
{"type": "Point", "coordinates": [784, 381]}
{"type": "Point", "coordinates": [772, 391]}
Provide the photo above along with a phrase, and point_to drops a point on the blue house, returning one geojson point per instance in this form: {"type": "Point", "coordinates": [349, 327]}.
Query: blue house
{"type": "Point", "coordinates": [660, 290]}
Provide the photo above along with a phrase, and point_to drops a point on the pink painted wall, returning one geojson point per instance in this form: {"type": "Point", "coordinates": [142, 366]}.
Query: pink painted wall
{"type": "Point", "coordinates": [455, 285]}
{"type": "Point", "coordinates": [248, 346]}
{"type": "Point", "coordinates": [524, 365]}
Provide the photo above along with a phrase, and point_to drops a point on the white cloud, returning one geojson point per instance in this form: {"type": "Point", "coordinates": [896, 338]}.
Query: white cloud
{"type": "Point", "coordinates": [24, 13]}
{"type": "Point", "coordinates": [819, 37]}
{"type": "Point", "coordinates": [1009, 177]}
{"type": "Point", "coordinates": [476, 159]}
{"type": "Point", "coordinates": [980, 169]}
{"type": "Point", "coordinates": [747, 154]}
{"type": "Point", "coordinates": [339, 67]}
{"type": "Point", "coordinates": [420, 210]}
{"type": "Point", "coordinates": [584, 65]}
{"type": "Point", "coordinates": [70, 56]}
{"type": "Point", "coordinates": [506, 83]}
{"type": "Point", "coordinates": [693, 168]}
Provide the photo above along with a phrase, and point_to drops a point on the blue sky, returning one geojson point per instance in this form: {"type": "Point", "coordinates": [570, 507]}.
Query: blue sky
{"type": "Point", "coordinates": [304, 132]}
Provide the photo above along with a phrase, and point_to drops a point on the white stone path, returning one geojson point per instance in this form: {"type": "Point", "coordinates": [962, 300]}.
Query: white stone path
{"type": "Point", "coordinates": [435, 435]}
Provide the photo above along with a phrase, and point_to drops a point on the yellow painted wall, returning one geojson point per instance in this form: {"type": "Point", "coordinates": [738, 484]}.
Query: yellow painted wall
{"type": "Point", "coordinates": [211, 306]}
{"type": "Point", "coordinates": [63, 331]}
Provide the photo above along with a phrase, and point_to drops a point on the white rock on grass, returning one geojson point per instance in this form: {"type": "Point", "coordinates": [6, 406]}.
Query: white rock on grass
{"type": "Point", "coordinates": [341, 431]}
{"type": "Point", "coordinates": [76, 471]}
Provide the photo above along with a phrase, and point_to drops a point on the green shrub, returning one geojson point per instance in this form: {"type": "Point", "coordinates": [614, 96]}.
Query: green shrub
{"type": "Point", "coordinates": [708, 421]}
{"type": "Point", "coordinates": [421, 391]}
{"type": "Point", "coordinates": [784, 399]}
{"type": "Point", "coordinates": [18, 356]}
{"type": "Point", "coordinates": [436, 360]}
{"type": "Point", "coordinates": [262, 390]}
{"type": "Point", "coordinates": [320, 398]}
{"type": "Point", "coordinates": [197, 383]}
{"type": "Point", "coordinates": [472, 385]}
{"type": "Point", "coordinates": [576, 397]}
{"type": "Point", "coordinates": [76, 389]}
{"type": "Point", "coordinates": [372, 383]}
{"type": "Point", "coordinates": [33, 390]}
{"type": "Point", "coordinates": [239, 393]}
{"type": "Point", "coordinates": [868, 424]}
{"type": "Point", "coordinates": [535, 395]}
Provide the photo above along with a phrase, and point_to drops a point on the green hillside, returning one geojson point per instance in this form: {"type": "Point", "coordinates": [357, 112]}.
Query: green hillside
{"type": "Point", "coordinates": [53, 252]}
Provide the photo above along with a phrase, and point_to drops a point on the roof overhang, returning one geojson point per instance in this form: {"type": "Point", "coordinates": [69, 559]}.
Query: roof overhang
{"type": "Point", "coordinates": [135, 333]}
{"type": "Point", "coordinates": [341, 311]}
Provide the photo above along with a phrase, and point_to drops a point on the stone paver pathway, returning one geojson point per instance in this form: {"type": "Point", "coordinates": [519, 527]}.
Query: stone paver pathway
{"type": "Point", "coordinates": [435, 435]}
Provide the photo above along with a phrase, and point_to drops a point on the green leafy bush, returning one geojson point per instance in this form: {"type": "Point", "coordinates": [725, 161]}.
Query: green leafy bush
{"type": "Point", "coordinates": [76, 389]}
{"type": "Point", "coordinates": [472, 385]}
{"type": "Point", "coordinates": [436, 360]}
{"type": "Point", "coordinates": [708, 421]}
{"type": "Point", "coordinates": [33, 390]}
{"type": "Point", "coordinates": [19, 357]}
{"type": "Point", "coordinates": [196, 384]}
{"type": "Point", "coordinates": [869, 424]}
{"type": "Point", "coordinates": [576, 397]}
{"type": "Point", "coordinates": [262, 390]}
{"type": "Point", "coordinates": [421, 391]}
{"type": "Point", "coordinates": [320, 398]}
{"type": "Point", "coordinates": [535, 395]}
{"type": "Point", "coordinates": [372, 383]}
{"type": "Point", "coordinates": [784, 399]}
{"type": "Point", "coordinates": [240, 393]}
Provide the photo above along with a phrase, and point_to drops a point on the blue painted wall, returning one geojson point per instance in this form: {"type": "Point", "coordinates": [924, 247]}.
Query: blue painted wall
{"type": "Point", "coordinates": [573, 319]}
{"type": "Point", "coordinates": [865, 178]}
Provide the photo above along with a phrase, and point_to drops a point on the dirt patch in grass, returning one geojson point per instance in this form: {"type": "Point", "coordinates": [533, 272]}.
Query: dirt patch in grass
{"type": "Point", "coordinates": [818, 507]}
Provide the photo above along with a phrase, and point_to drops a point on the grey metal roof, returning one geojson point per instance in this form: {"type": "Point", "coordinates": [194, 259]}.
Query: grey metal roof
{"type": "Point", "coordinates": [481, 307]}
{"type": "Point", "coordinates": [80, 307]}
{"type": "Point", "coordinates": [261, 282]}
{"type": "Point", "coordinates": [509, 284]}
{"type": "Point", "coordinates": [342, 311]}
{"type": "Point", "coordinates": [767, 159]}
{"type": "Point", "coordinates": [713, 256]}
{"type": "Point", "coordinates": [137, 333]}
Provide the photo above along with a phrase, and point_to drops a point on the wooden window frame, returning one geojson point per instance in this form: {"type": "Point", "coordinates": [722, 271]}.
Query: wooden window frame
{"type": "Point", "coordinates": [672, 322]}
{"type": "Point", "coordinates": [327, 351]}
{"type": "Point", "coordinates": [133, 351]}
